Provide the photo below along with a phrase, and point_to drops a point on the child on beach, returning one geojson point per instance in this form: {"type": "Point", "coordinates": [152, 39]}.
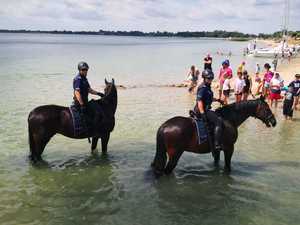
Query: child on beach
{"type": "Point", "coordinates": [258, 80]}
{"type": "Point", "coordinates": [226, 89]}
{"type": "Point", "coordinates": [288, 103]}
{"type": "Point", "coordinates": [248, 85]}
{"type": "Point", "coordinates": [267, 78]}
{"type": "Point", "coordinates": [239, 86]}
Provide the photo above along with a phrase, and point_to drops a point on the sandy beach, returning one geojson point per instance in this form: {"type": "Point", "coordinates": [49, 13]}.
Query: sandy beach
{"type": "Point", "coordinates": [288, 70]}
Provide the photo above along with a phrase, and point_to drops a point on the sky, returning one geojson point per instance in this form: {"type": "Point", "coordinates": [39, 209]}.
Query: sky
{"type": "Point", "coordinates": [248, 16]}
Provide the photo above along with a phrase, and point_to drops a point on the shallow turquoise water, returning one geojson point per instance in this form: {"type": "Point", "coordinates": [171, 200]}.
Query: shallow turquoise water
{"type": "Point", "coordinates": [76, 187]}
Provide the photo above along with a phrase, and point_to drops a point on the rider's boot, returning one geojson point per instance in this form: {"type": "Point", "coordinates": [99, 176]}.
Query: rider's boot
{"type": "Point", "coordinates": [217, 141]}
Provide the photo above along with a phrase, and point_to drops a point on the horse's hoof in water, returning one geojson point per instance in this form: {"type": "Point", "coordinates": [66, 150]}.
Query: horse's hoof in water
{"type": "Point", "coordinates": [34, 159]}
{"type": "Point", "coordinates": [216, 163]}
{"type": "Point", "coordinates": [227, 170]}
{"type": "Point", "coordinates": [94, 151]}
{"type": "Point", "coordinates": [158, 173]}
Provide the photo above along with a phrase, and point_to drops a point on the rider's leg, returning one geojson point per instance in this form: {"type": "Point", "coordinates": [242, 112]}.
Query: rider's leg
{"type": "Point", "coordinates": [213, 118]}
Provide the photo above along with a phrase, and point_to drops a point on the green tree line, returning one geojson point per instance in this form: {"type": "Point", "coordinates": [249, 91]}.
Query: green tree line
{"type": "Point", "coordinates": [195, 34]}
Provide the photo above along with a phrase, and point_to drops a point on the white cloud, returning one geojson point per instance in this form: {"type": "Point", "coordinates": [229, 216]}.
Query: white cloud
{"type": "Point", "coordinates": [250, 16]}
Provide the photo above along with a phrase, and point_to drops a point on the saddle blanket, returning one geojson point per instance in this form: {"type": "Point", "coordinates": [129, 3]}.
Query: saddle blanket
{"type": "Point", "coordinates": [201, 131]}
{"type": "Point", "coordinates": [79, 125]}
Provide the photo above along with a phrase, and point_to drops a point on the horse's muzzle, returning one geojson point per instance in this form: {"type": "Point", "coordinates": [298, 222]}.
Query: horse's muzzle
{"type": "Point", "coordinates": [271, 121]}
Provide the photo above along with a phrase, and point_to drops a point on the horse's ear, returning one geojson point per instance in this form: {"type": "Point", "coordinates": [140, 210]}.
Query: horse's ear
{"type": "Point", "coordinates": [262, 98]}
{"type": "Point", "coordinates": [105, 81]}
{"type": "Point", "coordinates": [113, 81]}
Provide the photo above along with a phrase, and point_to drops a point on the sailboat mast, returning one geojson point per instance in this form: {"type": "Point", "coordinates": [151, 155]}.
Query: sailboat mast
{"type": "Point", "coordinates": [286, 19]}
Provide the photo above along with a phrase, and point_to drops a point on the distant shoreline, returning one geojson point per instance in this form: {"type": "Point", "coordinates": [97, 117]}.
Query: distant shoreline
{"type": "Point", "coordinates": [234, 35]}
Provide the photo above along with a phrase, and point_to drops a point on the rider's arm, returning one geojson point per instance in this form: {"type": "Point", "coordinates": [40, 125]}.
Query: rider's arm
{"type": "Point", "coordinates": [78, 97]}
{"type": "Point", "coordinates": [92, 91]}
{"type": "Point", "coordinates": [200, 105]}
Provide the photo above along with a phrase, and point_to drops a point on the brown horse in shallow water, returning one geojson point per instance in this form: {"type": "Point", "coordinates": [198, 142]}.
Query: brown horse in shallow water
{"type": "Point", "coordinates": [179, 134]}
{"type": "Point", "coordinates": [46, 121]}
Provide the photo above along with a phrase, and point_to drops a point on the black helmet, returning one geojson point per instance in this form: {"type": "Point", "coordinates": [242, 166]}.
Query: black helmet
{"type": "Point", "coordinates": [208, 74]}
{"type": "Point", "coordinates": [83, 65]}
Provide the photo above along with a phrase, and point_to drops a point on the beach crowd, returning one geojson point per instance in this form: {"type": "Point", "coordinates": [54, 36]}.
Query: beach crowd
{"type": "Point", "coordinates": [268, 83]}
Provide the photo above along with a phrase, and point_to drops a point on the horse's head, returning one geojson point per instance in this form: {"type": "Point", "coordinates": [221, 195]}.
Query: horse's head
{"type": "Point", "coordinates": [110, 87]}
{"type": "Point", "coordinates": [264, 113]}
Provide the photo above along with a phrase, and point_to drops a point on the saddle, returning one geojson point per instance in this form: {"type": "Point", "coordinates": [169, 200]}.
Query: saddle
{"type": "Point", "coordinates": [202, 130]}
{"type": "Point", "coordinates": [83, 126]}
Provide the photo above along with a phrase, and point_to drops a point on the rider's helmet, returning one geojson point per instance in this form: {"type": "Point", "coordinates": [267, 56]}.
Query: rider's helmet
{"type": "Point", "coordinates": [83, 66]}
{"type": "Point", "coordinates": [208, 74]}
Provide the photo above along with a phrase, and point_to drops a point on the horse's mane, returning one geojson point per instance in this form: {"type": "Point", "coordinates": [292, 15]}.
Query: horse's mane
{"type": "Point", "coordinates": [240, 107]}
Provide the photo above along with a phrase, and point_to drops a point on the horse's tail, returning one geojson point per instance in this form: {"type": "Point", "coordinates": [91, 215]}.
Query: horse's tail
{"type": "Point", "coordinates": [160, 158]}
{"type": "Point", "coordinates": [31, 139]}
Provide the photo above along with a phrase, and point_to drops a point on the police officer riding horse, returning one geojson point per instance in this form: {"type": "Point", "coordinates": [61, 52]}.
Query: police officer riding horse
{"type": "Point", "coordinates": [82, 89]}
{"type": "Point", "coordinates": [204, 99]}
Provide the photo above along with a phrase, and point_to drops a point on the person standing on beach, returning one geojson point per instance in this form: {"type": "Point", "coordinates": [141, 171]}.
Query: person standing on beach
{"type": "Point", "coordinates": [296, 89]}
{"type": "Point", "coordinates": [290, 54]}
{"type": "Point", "coordinates": [288, 103]}
{"type": "Point", "coordinates": [241, 67]}
{"type": "Point", "coordinates": [208, 62]}
{"type": "Point", "coordinates": [267, 78]}
{"type": "Point", "coordinates": [275, 62]}
{"type": "Point", "coordinates": [276, 84]}
{"type": "Point", "coordinates": [224, 71]}
{"type": "Point", "coordinates": [192, 77]}
{"type": "Point", "coordinates": [257, 69]}
{"type": "Point", "coordinates": [226, 89]}
{"type": "Point", "coordinates": [239, 86]}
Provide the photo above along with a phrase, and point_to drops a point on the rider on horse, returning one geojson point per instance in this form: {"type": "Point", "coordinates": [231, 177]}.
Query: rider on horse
{"type": "Point", "coordinates": [82, 88]}
{"type": "Point", "coordinates": [203, 110]}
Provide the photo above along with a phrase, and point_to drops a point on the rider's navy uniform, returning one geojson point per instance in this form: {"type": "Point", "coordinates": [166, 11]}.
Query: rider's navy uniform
{"type": "Point", "coordinates": [81, 84]}
{"type": "Point", "coordinates": [205, 94]}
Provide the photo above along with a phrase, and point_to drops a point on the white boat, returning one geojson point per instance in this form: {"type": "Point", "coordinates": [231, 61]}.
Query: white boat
{"type": "Point", "coordinates": [270, 53]}
{"type": "Point", "coordinates": [282, 49]}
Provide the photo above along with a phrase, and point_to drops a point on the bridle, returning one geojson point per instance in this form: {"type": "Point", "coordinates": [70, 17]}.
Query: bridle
{"type": "Point", "coordinates": [266, 119]}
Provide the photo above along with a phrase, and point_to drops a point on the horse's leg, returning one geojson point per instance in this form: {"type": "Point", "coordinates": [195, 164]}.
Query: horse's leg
{"type": "Point", "coordinates": [174, 156]}
{"type": "Point", "coordinates": [216, 158]}
{"type": "Point", "coordinates": [228, 151]}
{"type": "Point", "coordinates": [104, 142]}
{"type": "Point", "coordinates": [39, 143]}
{"type": "Point", "coordinates": [160, 158]}
{"type": "Point", "coordinates": [94, 143]}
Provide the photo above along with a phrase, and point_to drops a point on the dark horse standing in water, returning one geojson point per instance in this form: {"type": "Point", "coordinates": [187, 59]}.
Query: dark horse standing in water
{"type": "Point", "coordinates": [179, 134]}
{"type": "Point", "coordinates": [46, 121]}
